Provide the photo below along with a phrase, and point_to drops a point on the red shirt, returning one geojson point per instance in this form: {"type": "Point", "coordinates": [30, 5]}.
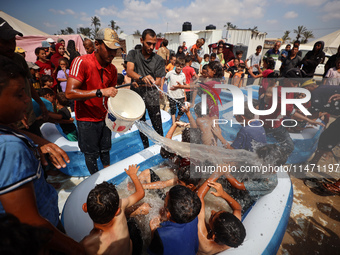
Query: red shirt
{"type": "Point", "coordinates": [231, 63]}
{"type": "Point", "coordinates": [189, 73]}
{"type": "Point", "coordinates": [45, 68]}
{"type": "Point", "coordinates": [87, 70]}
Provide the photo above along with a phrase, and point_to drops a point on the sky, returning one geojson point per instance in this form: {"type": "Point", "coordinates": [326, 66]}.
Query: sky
{"type": "Point", "coordinates": [272, 16]}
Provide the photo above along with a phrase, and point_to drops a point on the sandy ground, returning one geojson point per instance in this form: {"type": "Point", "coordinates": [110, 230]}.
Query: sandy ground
{"type": "Point", "coordinates": [314, 223]}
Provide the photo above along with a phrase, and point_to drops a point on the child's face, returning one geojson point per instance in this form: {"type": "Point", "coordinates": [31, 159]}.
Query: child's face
{"type": "Point", "coordinates": [206, 59]}
{"type": "Point", "coordinates": [204, 73]}
{"type": "Point", "coordinates": [42, 55]}
{"type": "Point", "coordinates": [178, 69]}
{"type": "Point", "coordinates": [13, 101]}
{"type": "Point", "coordinates": [220, 50]}
{"type": "Point", "coordinates": [211, 73]}
{"type": "Point", "coordinates": [62, 64]}
{"type": "Point", "coordinates": [212, 58]}
{"type": "Point", "coordinates": [50, 98]}
{"type": "Point", "coordinates": [49, 84]}
{"type": "Point", "coordinates": [258, 51]}
{"type": "Point", "coordinates": [239, 56]}
{"type": "Point", "coordinates": [239, 68]}
{"type": "Point", "coordinates": [173, 61]}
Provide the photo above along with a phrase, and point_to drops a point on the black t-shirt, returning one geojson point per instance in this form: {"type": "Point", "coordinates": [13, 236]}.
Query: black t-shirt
{"type": "Point", "coordinates": [154, 65]}
{"type": "Point", "coordinates": [67, 128]}
{"type": "Point", "coordinates": [320, 97]}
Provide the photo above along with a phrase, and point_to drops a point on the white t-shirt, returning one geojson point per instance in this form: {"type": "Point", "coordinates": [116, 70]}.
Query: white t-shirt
{"type": "Point", "coordinates": [254, 60]}
{"type": "Point", "coordinates": [333, 77]}
{"type": "Point", "coordinates": [173, 79]}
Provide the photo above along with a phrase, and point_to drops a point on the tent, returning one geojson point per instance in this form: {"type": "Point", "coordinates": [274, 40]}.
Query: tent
{"type": "Point", "coordinates": [20, 26]}
{"type": "Point", "coordinates": [332, 42]}
{"type": "Point", "coordinates": [33, 37]}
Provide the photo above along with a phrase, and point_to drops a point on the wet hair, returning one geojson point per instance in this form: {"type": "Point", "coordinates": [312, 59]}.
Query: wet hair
{"type": "Point", "coordinates": [138, 47]}
{"type": "Point", "coordinates": [46, 78]}
{"type": "Point", "coordinates": [66, 62]}
{"type": "Point", "coordinates": [165, 42]}
{"type": "Point", "coordinates": [180, 62]}
{"type": "Point", "coordinates": [259, 47]}
{"type": "Point", "coordinates": [238, 52]}
{"type": "Point", "coordinates": [188, 58]}
{"type": "Point", "coordinates": [183, 204]}
{"type": "Point", "coordinates": [217, 67]}
{"type": "Point", "coordinates": [45, 91]}
{"type": "Point", "coordinates": [102, 203]}
{"type": "Point", "coordinates": [20, 238]}
{"type": "Point", "coordinates": [183, 174]}
{"type": "Point", "coordinates": [8, 71]}
{"type": "Point", "coordinates": [62, 100]}
{"type": "Point", "coordinates": [228, 230]}
{"type": "Point", "coordinates": [120, 79]}
{"type": "Point", "coordinates": [270, 62]}
{"type": "Point", "coordinates": [205, 67]}
{"type": "Point", "coordinates": [213, 55]}
{"type": "Point", "coordinates": [148, 32]}
{"type": "Point", "coordinates": [166, 154]}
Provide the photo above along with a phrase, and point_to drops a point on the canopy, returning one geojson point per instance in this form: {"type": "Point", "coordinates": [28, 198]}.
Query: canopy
{"type": "Point", "coordinates": [20, 26]}
{"type": "Point", "coordinates": [332, 42]}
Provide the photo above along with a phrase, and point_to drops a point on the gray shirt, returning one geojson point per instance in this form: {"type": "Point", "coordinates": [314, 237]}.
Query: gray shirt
{"type": "Point", "coordinates": [254, 60]}
{"type": "Point", "coordinates": [289, 63]}
{"type": "Point", "coordinates": [154, 65]}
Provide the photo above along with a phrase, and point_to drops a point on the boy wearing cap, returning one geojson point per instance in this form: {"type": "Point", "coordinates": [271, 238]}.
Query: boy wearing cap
{"type": "Point", "coordinates": [91, 78]}
{"type": "Point", "coordinates": [35, 80]}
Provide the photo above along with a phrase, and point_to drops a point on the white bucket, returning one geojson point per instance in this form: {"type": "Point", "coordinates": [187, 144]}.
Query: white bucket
{"type": "Point", "coordinates": [123, 110]}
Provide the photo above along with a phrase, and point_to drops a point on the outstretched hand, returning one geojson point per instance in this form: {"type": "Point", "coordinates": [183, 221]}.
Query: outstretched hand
{"type": "Point", "coordinates": [57, 156]}
{"type": "Point", "coordinates": [219, 190]}
{"type": "Point", "coordinates": [133, 169]}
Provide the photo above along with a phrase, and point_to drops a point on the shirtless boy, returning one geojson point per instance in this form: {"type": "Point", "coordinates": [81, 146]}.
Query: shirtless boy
{"type": "Point", "coordinates": [110, 234]}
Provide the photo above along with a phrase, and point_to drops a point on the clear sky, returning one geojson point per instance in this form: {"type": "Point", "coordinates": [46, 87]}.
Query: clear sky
{"type": "Point", "coordinates": [271, 16]}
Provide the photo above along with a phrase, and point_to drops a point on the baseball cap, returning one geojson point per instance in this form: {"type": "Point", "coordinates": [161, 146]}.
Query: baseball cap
{"type": "Point", "coordinates": [309, 82]}
{"type": "Point", "coordinates": [19, 50]}
{"type": "Point", "coordinates": [31, 65]}
{"type": "Point", "coordinates": [50, 40]}
{"type": "Point", "coordinates": [45, 44]}
{"type": "Point", "coordinates": [6, 31]}
{"type": "Point", "coordinates": [109, 37]}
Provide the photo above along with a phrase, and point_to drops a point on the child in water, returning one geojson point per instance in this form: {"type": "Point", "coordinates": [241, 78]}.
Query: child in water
{"type": "Point", "coordinates": [111, 233]}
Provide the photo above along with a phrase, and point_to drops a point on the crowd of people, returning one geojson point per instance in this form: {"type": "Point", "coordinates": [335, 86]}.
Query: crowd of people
{"type": "Point", "coordinates": [61, 80]}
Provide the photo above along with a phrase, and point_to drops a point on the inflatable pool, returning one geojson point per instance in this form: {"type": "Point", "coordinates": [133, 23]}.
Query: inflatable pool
{"type": "Point", "coordinates": [123, 145]}
{"type": "Point", "coordinates": [305, 143]}
{"type": "Point", "coordinates": [265, 221]}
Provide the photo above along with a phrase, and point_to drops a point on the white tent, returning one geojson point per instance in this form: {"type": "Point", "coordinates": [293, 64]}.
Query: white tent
{"type": "Point", "coordinates": [21, 26]}
{"type": "Point", "coordinates": [332, 42]}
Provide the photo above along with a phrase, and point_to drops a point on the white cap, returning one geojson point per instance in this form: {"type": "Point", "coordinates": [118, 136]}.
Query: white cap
{"type": "Point", "coordinates": [50, 40]}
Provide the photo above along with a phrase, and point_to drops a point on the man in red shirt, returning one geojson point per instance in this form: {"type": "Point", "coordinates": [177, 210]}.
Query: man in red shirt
{"type": "Point", "coordinates": [92, 77]}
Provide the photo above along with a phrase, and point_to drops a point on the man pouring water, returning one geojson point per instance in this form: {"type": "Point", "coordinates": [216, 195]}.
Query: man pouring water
{"type": "Point", "coordinates": [147, 68]}
{"type": "Point", "coordinates": [91, 78]}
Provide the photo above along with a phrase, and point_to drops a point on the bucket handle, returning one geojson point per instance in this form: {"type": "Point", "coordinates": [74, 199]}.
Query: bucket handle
{"type": "Point", "coordinates": [117, 87]}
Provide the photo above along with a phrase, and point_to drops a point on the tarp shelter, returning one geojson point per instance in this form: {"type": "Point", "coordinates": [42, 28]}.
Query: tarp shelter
{"type": "Point", "coordinates": [332, 42]}
{"type": "Point", "coordinates": [33, 37]}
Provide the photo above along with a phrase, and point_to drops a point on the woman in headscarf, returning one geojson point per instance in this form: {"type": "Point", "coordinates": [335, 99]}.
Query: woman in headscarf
{"type": "Point", "coordinates": [72, 51]}
{"type": "Point", "coordinates": [59, 53]}
{"type": "Point", "coordinates": [180, 53]}
{"type": "Point", "coordinates": [313, 59]}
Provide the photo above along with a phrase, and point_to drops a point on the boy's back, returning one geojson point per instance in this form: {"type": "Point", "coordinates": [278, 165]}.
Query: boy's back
{"type": "Point", "coordinates": [115, 240]}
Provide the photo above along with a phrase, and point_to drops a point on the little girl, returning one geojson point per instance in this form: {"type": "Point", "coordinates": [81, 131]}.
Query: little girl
{"type": "Point", "coordinates": [220, 55]}
{"type": "Point", "coordinates": [47, 81]}
{"type": "Point", "coordinates": [62, 75]}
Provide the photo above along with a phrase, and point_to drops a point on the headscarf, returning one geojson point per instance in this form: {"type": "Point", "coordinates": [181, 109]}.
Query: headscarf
{"type": "Point", "coordinates": [178, 54]}
{"type": "Point", "coordinates": [71, 49]}
{"type": "Point", "coordinates": [56, 56]}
